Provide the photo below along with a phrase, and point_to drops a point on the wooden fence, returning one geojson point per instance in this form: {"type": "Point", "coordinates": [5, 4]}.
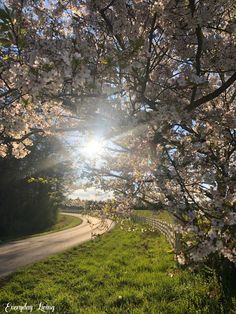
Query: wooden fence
{"type": "Point", "coordinates": [165, 228]}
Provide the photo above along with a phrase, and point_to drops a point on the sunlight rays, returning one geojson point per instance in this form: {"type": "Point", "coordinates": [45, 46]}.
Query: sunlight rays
{"type": "Point", "coordinates": [93, 149]}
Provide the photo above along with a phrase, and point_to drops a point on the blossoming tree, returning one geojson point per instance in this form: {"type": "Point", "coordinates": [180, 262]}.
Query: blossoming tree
{"type": "Point", "coordinates": [158, 77]}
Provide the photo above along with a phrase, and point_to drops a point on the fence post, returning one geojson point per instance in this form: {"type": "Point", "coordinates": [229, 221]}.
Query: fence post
{"type": "Point", "coordinates": [177, 243]}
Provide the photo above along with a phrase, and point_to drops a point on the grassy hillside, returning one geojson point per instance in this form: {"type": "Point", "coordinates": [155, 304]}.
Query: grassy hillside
{"type": "Point", "coordinates": [124, 271]}
{"type": "Point", "coordinates": [160, 214]}
{"type": "Point", "coordinates": [63, 222]}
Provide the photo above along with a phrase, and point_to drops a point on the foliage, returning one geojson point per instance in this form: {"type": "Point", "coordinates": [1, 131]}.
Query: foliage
{"type": "Point", "coordinates": [158, 76]}
{"type": "Point", "coordinates": [30, 204]}
{"type": "Point", "coordinates": [63, 222]}
{"type": "Point", "coordinates": [26, 209]}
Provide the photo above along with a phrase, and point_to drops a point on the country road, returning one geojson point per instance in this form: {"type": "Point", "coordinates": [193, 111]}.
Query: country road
{"type": "Point", "coordinates": [16, 254]}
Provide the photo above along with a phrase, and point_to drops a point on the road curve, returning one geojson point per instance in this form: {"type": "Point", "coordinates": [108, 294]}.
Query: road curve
{"type": "Point", "coordinates": [23, 252]}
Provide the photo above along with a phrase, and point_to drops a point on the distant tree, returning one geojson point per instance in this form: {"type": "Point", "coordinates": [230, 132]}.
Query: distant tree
{"type": "Point", "coordinates": [31, 189]}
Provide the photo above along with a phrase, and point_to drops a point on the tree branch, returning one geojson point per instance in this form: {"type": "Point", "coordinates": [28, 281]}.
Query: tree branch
{"type": "Point", "coordinates": [212, 95]}
{"type": "Point", "coordinates": [109, 24]}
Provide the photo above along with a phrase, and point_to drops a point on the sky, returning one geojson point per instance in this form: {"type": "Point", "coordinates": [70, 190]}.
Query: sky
{"type": "Point", "coordinates": [91, 194]}
{"type": "Point", "coordinates": [86, 149]}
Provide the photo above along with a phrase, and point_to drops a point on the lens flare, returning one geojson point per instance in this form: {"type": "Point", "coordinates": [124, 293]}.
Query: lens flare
{"type": "Point", "coordinates": [93, 149]}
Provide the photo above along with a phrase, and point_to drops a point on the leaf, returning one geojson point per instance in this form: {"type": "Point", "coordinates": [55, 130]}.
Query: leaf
{"type": "Point", "coordinates": [5, 42]}
{"type": "Point", "coordinates": [4, 16]}
{"type": "Point", "coordinates": [47, 67]}
{"type": "Point", "coordinates": [4, 27]}
{"type": "Point", "coordinates": [34, 71]}
{"type": "Point", "coordinates": [23, 31]}
{"type": "Point", "coordinates": [25, 101]}
{"type": "Point", "coordinates": [137, 44]}
{"type": "Point", "coordinates": [76, 62]}
{"type": "Point", "coordinates": [105, 61]}
{"type": "Point", "coordinates": [21, 42]}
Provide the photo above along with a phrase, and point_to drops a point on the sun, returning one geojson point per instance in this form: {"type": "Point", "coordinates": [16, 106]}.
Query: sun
{"type": "Point", "coordinates": [93, 149]}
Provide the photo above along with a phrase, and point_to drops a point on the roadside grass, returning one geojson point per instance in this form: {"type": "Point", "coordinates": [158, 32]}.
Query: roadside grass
{"type": "Point", "coordinates": [160, 214]}
{"type": "Point", "coordinates": [64, 222]}
{"type": "Point", "coordinates": [121, 272]}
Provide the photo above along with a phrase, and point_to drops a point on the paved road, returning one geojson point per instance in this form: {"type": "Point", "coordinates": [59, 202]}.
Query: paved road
{"type": "Point", "coordinates": [23, 252]}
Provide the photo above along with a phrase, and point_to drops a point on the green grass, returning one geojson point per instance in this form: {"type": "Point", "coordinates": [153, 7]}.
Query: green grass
{"type": "Point", "coordinates": [160, 214]}
{"type": "Point", "coordinates": [64, 222]}
{"type": "Point", "coordinates": [120, 272]}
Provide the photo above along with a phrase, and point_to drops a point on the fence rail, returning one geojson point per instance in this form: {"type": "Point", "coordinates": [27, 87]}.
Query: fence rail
{"type": "Point", "coordinates": [71, 210]}
{"type": "Point", "coordinates": [165, 228]}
